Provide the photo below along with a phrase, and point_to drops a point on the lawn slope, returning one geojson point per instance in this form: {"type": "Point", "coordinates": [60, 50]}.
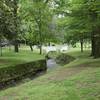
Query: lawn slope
{"type": "Point", "coordinates": [79, 80]}
{"type": "Point", "coordinates": [11, 58]}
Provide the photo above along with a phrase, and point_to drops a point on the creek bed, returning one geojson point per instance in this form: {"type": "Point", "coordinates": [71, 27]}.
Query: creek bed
{"type": "Point", "coordinates": [51, 63]}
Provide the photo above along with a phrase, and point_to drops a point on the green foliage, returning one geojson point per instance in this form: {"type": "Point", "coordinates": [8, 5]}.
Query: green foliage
{"type": "Point", "coordinates": [79, 21]}
{"type": "Point", "coordinates": [73, 24]}
{"type": "Point", "coordinates": [42, 21]}
{"type": "Point", "coordinates": [9, 21]}
{"type": "Point", "coordinates": [64, 59]}
{"type": "Point", "coordinates": [36, 19]}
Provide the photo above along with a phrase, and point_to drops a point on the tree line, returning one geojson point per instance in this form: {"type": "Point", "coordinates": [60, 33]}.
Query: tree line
{"type": "Point", "coordinates": [28, 20]}
{"type": "Point", "coordinates": [41, 21]}
{"type": "Point", "coordinates": [81, 22]}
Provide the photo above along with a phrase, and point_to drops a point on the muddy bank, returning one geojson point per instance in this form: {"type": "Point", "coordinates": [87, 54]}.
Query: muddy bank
{"type": "Point", "coordinates": [11, 75]}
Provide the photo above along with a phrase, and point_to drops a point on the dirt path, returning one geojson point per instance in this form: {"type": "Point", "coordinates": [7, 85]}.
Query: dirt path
{"type": "Point", "coordinates": [64, 73]}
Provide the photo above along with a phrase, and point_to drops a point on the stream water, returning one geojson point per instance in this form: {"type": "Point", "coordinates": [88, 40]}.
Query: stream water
{"type": "Point", "coordinates": [51, 63]}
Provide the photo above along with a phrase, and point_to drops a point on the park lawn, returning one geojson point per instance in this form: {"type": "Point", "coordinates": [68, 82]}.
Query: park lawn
{"type": "Point", "coordinates": [11, 58]}
{"type": "Point", "coordinates": [78, 80]}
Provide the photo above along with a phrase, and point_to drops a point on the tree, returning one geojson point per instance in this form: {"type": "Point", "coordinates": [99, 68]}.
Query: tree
{"type": "Point", "coordinates": [16, 23]}
{"type": "Point", "coordinates": [38, 15]}
{"type": "Point", "coordinates": [10, 21]}
{"type": "Point", "coordinates": [94, 16]}
{"type": "Point", "coordinates": [83, 16]}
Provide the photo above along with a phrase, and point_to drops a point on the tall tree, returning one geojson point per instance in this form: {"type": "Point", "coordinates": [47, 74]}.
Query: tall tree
{"type": "Point", "coordinates": [15, 19]}
{"type": "Point", "coordinates": [10, 20]}
{"type": "Point", "coordinates": [86, 19]}
{"type": "Point", "coordinates": [39, 15]}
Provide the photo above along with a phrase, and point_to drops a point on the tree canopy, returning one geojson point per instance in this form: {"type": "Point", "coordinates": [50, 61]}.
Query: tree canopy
{"type": "Point", "coordinates": [42, 21]}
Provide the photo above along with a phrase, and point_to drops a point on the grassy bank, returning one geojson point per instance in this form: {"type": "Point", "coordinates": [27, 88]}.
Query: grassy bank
{"type": "Point", "coordinates": [79, 80]}
{"type": "Point", "coordinates": [11, 58]}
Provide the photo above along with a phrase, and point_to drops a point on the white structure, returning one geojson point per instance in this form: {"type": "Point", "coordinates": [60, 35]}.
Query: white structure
{"type": "Point", "coordinates": [49, 48]}
{"type": "Point", "coordinates": [64, 48]}
{"type": "Point", "coordinates": [61, 48]}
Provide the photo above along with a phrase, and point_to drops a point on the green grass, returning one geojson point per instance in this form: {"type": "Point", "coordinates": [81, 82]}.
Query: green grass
{"type": "Point", "coordinates": [10, 58]}
{"type": "Point", "coordinates": [79, 80]}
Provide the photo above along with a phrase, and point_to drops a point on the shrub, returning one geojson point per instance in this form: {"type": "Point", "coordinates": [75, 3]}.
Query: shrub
{"type": "Point", "coordinates": [64, 59]}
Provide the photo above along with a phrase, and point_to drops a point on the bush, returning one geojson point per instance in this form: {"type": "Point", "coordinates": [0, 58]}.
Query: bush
{"type": "Point", "coordinates": [52, 54]}
{"type": "Point", "coordinates": [64, 59]}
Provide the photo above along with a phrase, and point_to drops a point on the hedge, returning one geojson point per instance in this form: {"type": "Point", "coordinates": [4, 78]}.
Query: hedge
{"type": "Point", "coordinates": [19, 71]}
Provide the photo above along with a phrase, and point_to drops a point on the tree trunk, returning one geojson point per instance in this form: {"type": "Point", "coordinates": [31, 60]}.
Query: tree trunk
{"type": "Point", "coordinates": [1, 50]}
{"type": "Point", "coordinates": [49, 44]}
{"type": "Point", "coordinates": [95, 39]}
{"type": "Point", "coordinates": [9, 47]}
{"type": "Point", "coordinates": [81, 42]}
{"type": "Point", "coordinates": [31, 47]}
{"type": "Point", "coordinates": [16, 46]}
{"type": "Point", "coordinates": [95, 34]}
{"type": "Point", "coordinates": [92, 44]}
{"type": "Point", "coordinates": [40, 33]}
{"type": "Point", "coordinates": [40, 44]}
{"type": "Point", "coordinates": [97, 43]}
{"type": "Point", "coordinates": [40, 49]}
{"type": "Point", "coordinates": [97, 48]}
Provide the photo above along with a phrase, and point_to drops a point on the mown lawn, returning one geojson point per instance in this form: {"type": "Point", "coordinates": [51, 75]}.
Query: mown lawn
{"type": "Point", "coordinates": [79, 80]}
{"type": "Point", "coordinates": [11, 58]}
